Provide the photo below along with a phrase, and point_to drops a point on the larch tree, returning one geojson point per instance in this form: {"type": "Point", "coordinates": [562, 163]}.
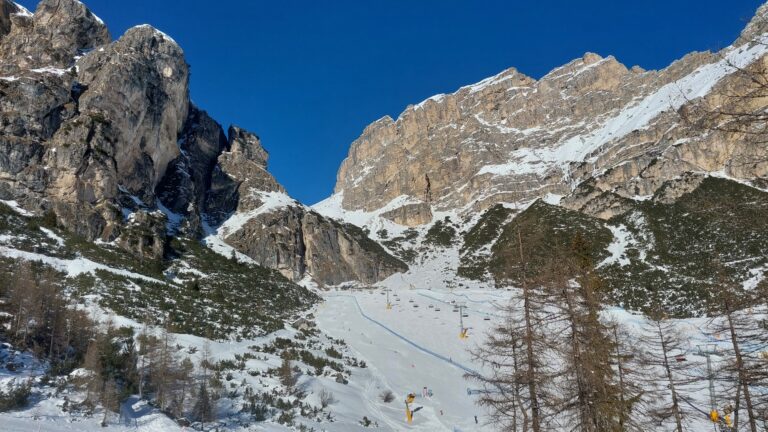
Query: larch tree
{"type": "Point", "coordinates": [663, 353]}
{"type": "Point", "coordinates": [744, 366]}
{"type": "Point", "coordinates": [519, 355]}
{"type": "Point", "coordinates": [591, 391]}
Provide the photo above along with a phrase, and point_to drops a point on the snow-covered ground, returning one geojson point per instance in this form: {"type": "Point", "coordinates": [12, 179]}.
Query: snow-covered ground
{"type": "Point", "coordinates": [48, 417]}
{"type": "Point", "coordinates": [413, 346]}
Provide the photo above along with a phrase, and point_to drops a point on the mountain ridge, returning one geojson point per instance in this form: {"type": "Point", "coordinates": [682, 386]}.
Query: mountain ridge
{"type": "Point", "coordinates": [605, 87]}
{"type": "Point", "coordinates": [102, 135]}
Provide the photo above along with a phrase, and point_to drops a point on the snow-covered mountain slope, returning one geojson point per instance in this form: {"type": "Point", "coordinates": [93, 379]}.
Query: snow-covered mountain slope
{"type": "Point", "coordinates": [413, 345]}
{"type": "Point", "coordinates": [115, 280]}
{"type": "Point", "coordinates": [187, 239]}
{"type": "Point", "coordinates": [593, 147]}
{"type": "Point", "coordinates": [510, 138]}
{"type": "Point", "coordinates": [669, 243]}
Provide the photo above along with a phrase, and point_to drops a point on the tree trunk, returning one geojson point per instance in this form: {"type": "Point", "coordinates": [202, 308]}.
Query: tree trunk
{"type": "Point", "coordinates": [621, 376]}
{"type": "Point", "coordinates": [668, 370]}
{"type": "Point", "coordinates": [530, 358]}
{"type": "Point", "coordinates": [740, 369]}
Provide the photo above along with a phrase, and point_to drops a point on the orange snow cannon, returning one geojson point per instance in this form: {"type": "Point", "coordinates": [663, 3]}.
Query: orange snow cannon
{"type": "Point", "coordinates": [714, 416]}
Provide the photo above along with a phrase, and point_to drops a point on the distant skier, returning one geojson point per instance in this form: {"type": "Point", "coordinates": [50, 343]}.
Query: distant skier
{"type": "Point", "coordinates": [424, 392]}
{"type": "Point", "coordinates": [475, 419]}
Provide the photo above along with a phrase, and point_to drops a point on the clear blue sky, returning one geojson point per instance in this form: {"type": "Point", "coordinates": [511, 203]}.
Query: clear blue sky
{"type": "Point", "coordinates": [308, 76]}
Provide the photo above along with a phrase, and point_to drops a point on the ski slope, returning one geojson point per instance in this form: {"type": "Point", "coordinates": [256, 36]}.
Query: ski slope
{"type": "Point", "coordinates": [407, 348]}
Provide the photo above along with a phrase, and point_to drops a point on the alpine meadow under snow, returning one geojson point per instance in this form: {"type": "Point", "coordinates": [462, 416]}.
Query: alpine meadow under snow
{"type": "Point", "coordinates": [582, 252]}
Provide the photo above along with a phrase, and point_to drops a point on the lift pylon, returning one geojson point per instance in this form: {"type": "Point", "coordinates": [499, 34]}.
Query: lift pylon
{"type": "Point", "coordinates": [708, 351]}
{"type": "Point", "coordinates": [462, 330]}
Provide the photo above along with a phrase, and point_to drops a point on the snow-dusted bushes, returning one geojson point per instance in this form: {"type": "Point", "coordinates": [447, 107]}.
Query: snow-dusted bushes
{"type": "Point", "coordinates": [15, 395]}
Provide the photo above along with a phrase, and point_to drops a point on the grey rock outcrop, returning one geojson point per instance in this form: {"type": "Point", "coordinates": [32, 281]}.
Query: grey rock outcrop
{"type": "Point", "coordinates": [511, 138]}
{"type": "Point", "coordinates": [7, 8]}
{"type": "Point", "coordinates": [58, 31]}
{"type": "Point", "coordinates": [77, 142]}
{"type": "Point", "coordinates": [186, 185]}
{"type": "Point", "coordinates": [300, 242]}
{"type": "Point", "coordinates": [410, 214]}
{"type": "Point", "coordinates": [103, 135]}
{"type": "Point", "coordinates": [281, 233]}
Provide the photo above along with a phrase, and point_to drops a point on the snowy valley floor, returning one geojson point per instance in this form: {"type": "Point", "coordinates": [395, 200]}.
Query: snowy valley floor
{"type": "Point", "coordinates": [413, 345]}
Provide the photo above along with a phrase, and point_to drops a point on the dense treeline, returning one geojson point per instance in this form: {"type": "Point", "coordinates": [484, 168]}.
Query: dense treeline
{"type": "Point", "coordinates": [115, 362]}
{"type": "Point", "coordinates": [559, 362]}
{"type": "Point", "coordinates": [41, 320]}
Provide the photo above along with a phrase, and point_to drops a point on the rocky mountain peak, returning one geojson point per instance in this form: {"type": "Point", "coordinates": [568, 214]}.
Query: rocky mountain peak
{"type": "Point", "coordinates": [7, 8]}
{"type": "Point", "coordinates": [58, 31]}
{"type": "Point", "coordinates": [756, 27]}
{"type": "Point", "coordinates": [140, 85]}
{"type": "Point", "coordinates": [510, 138]}
{"type": "Point", "coordinates": [248, 145]}
{"type": "Point", "coordinates": [239, 177]}
{"type": "Point", "coordinates": [146, 37]}
{"type": "Point", "coordinates": [101, 137]}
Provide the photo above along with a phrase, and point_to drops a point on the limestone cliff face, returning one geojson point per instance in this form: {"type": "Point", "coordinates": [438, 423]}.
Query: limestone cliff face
{"type": "Point", "coordinates": [592, 125]}
{"type": "Point", "coordinates": [7, 9]}
{"type": "Point", "coordinates": [240, 174]}
{"type": "Point", "coordinates": [102, 134]}
{"type": "Point", "coordinates": [186, 186]}
{"type": "Point", "coordinates": [58, 31]}
{"type": "Point", "coordinates": [77, 134]}
{"type": "Point", "coordinates": [278, 232]}
{"type": "Point", "coordinates": [300, 242]}
{"type": "Point", "coordinates": [140, 86]}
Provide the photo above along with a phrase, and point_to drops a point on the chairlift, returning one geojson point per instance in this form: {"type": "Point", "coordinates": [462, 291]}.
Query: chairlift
{"type": "Point", "coordinates": [465, 316]}
{"type": "Point", "coordinates": [437, 309]}
{"type": "Point", "coordinates": [680, 358]}
{"type": "Point", "coordinates": [486, 319]}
